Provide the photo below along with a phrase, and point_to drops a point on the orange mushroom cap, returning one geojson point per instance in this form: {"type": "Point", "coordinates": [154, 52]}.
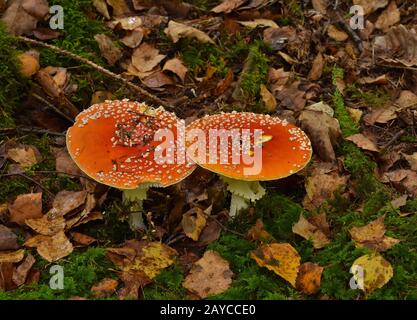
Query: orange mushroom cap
{"type": "Point", "coordinates": [113, 143]}
{"type": "Point", "coordinates": [286, 149]}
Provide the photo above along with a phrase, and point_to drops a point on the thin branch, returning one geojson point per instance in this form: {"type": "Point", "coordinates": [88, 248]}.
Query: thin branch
{"type": "Point", "coordinates": [30, 179]}
{"type": "Point", "coordinates": [50, 105]}
{"type": "Point", "coordinates": [109, 73]}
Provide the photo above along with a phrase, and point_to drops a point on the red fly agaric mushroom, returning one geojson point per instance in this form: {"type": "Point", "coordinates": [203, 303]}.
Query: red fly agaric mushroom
{"type": "Point", "coordinates": [245, 148]}
{"type": "Point", "coordinates": [115, 143]}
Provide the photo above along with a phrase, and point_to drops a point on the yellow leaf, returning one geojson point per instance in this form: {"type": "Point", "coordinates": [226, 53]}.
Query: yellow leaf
{"type": "Point", "coordinates": [193, 222]}
{"type": "Point", "coordinates": [371, 272]}
{"type": "Point", "coordinates": [12, 256]}
{"type": "Point", "coordinates": [309, 279]}
{"type": "Point", "coordinates": [281, 258]}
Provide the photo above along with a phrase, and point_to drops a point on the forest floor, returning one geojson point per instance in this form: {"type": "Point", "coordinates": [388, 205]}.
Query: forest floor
{"type": "Point", "coordinates": [354, 92]}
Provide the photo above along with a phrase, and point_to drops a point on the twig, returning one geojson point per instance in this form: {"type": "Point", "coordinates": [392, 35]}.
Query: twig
{"type": "Point", "coordinates": [30, 179]}
{"type": "Point", "coordinates": [227, 229]}
{"type": "Point", "coordinates": [343, 24]}
{"type": "Point", "coordinates": [392, 141]}
{"type": "Point", "coordinates": [64, 173]}
{"type": "Point", "coordinates": [50, 105]}
{"type": "Point", "coordinates": [30, 130]}
{"type": "Point", "coordinates": [109, 73]}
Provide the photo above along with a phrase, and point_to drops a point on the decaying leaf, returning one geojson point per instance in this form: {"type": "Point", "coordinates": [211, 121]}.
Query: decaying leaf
{"type": "Point", "coordinates": [277, 79]}
{"type": "Point", "coordinates": [26, 206]}
{"type": "Point", "coordinates": [320, 5]}
{"type": "Point", "coordinates": [134, 37]}
{"type": "Point", "coordinates": [157, 79]}
{"type": "Point", "coordinates": [120, 7]}
{"type": "Point", "coordinates": [210, 275]}
{"type": "Point", "coordinates": [309, 231]}
{"type": "Point", "coordinates": [29, 63]}
{"type": "Point", "coordinates": [412, 160]}
{"type": "Point", "coordinates": [228, 6]}
{"type": "Point", "coordinates": [104, 288]}
{"type": "Point", "coordinates": [373, 236]}
{"type": "Point", "coordinates": [389, 17]}
{"type": "Point", "coordinates": [371, 272]}
{"type": "Point", "coordinates": [321, 185]}
{"type": "Point", "coordinates": [321, 107]}
{"type": "Point", "coordinates": [8, 240]}
{"type": "Point", "coordinates": [193, 222]}
{"type": "Point", "coordinates": [133, 281]}
{"type": "Point", "coordinates": [22, 271]}
{"type": "Point", "coordinates": [317, 68]}
{"type": "Point", "coordinates": [309, 278]}
{"type": "Point", "coordinates": [268, 99]}
{"type": "Point", "coordinates": [176, 66]}
{"type": "Point", "coordinates": [82, 239]}
{"type": "Point", "coordinates": [108, 49]}
{"type": "Point", "coordinates": [176, 30]}
{"type": "Point", "coordinates": [66, 201]}
{"type": "Point", "coordinates": [47, 225]}
{"type": "Point", "coordinates": [404, 180]}
{"type": "Point", "coordinates": [280, 258]}
{"type": "Point", "coordinates": [65, 164]}
{"type": "Point", "coordinates": [127, 23]}
{"type": "Point", "coordinates": [12, 256]}
{"type": "Point", "coordinates": [146, 57]}
{"type": "Point", "coordinates": [337, 34]}
{"type": "Point", "coordinates": [51, 248]}
{"type": "Point", "coordinates": [324, 132]}
{"type": "Point", "coordinates": [370, 6]}
{"type": "Point", "coordinates": [257, 232]}
{"type": "Point", "coordinates": [259, 23]}
{"type": "Point", "coordinates": [24, 155]}
{"type": "Point", "coordinates": [363, 142]}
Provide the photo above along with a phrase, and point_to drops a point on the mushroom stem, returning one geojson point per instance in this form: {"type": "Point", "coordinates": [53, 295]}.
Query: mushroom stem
{"type": "Point", "coordinates": [243, 192]}
{"type": "Point", "coordinates": [135, 197]}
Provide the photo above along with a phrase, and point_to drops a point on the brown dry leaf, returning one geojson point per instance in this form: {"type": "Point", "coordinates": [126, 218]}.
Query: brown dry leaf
{"type": "Point", "coordinates": [176, 66]}
{"type": "Point", "coordinates": [24, 155]}
{"type": "Point", "coordinates": [108, 49]}
{"type": "Point", "coordinates": [227, 6]}
{"type": "Point", "coordinates": [337, 34]}
{"type": "Point", "coordinates": [26, 206]}
{"type": "Point", "coordinates": [22, 271]}
{"type": "Point", "coordinates": [101, 7]}
{"type": "Point", "coordinates": [146, 57]}
{"type": "Point", "coordinates": [317, 68]}
{"type": "Point", "coordinates": [320, 6]}
{"type": "Point", "coordinates": [371, 80]}
{"type": "Point", "coordinates": [309, 278]}
{"type": "Point", "coordinates": [373, 236]}
{"type": "Point", "coordinates": [399, 201]}
{"type": "Point", "coordinates": [404, 180]}
{"type": "Point", "coordinates": [12, 256]}
{"type": "Point", "coordinates": [157, 79]}
{"type": "Point", "coordinates": [224, 84]}
{"type": "Point", "coordinates": [277, 79]}
{"type": "Point", "coordinates": [104, 288]}
{"type": "Point", "coordinates": [6, 274]}
{"type": "Point", "coordinates": [389, 17]}
{"type": "Point", "coordinates": [193, 222]}
{"type": "Point", "coordinates": [363, 142]}
{"type": "Point", "coordinates": [406, 99]}
{"type": "Point", "coordinates": [321, 185]}
{"type": "Point", "coordinates": [82, 239]}
{"type": "Point", "coordinates": [120, 7]}
{"type": "Point", "coordinates": [51, 248]}
{"type": "Point", "coordinates": [133, 281]}
{"type": "Point", "coordinates": [310, 232]}
{"type": "Point", "coordinates": [321, 107]}
{"type": "Point", "coordinates": [67, 201]}
{"type": "Point", "coordinates": [381, 115]}
{"type": "Point", "coordinates": [293, 96]}
{"type": "Point", "coordinates": [46, 225]}
{"type": "Point", "coordinates": [370, 6]}
{"type": "Point", "coordinates": [8, 240]}
{"type": "Point", "coordinates": [397, 46]}
{"type": "Point", "coordinates": [46, 34]}
{"type": "Point", "coordinates": [268, 99]}
{"type": "Point", "coordinates": [257, 232]}
{"type": "Point", "coordinates": [324, 132]}
{"type": "Point", "coordinates": [371, 272]}
{"type": "Point", "coordinates": [134, 37]}
{"type": "Point", "coordinates": [65, 164]}
{"type": "Point", "coordinates": [280, 258]}
{"type": "Point", "coordinates": [210, 233]}
{"type": "Point", "coordinates": [100, 97]}
{"type": "Point", "coordinates": [29, 63]}
{"type": "Point", "coordinates": [278, 38]}
{"type": "Point", "coordinates": [128, 23]}
{"type": "Point", "coordinates": [210, 275]}
{"type": "Point", "coordinates": [412, 160]}
{"type": "Point", "coordinates": [152, 258]}
{"type": "Point", "coordinates": [355, 114]}
{"type": "Point", "coordinates": [22, 16]}
{"type": "Point", "coordinates": [259, 23]}
{"type": "Point", "coordinates": [176, 30]}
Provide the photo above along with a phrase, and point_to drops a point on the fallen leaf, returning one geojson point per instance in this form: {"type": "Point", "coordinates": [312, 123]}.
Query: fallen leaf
{"type": "Point", "coordinates": [412, 160]}
{"type": "Point", "coordinates": [258, 233]}
{"type": "Point", "coordinates": [193, 222]}
{"type": "Point", "coordinates": [280, 258]}
{"type": "Point", "coordinates": [210, 275]}
{"type": "Point", "coordinates": [406, 99]}
{"type": "Point", "coordinates": [108, 49]}
{"type": "Point", "coordinates": [310, 232]}
{"type": "Point", "coordinates": [29, 63]}
{"type": "Point", "coordinates": [46, 225]}
{"type": "Point", "coordinates": [324, 132]}
{"type": "Point", "coordinates": [82, 239]}
{"type": "Point", "coordinates": [404, 180]}
{"type": "Point", "coordinates": [104, 288]}
{"type": "Point", "coordinates": [26, 206]}
{"type": "Point", "coordinates": [389, 17]}
{"type": "Point", "coordinates": [370, 6]}
{"type": "Point", "coordinates": [317, 68]}
{"type": "Point", "coordinates": [24, 155]}
{"type": "Point", "coordinates": [292, 96]}
{"type": "Point", "coordinates": [65, 164]}
{"type": "Point", "coordinates": [278, 38]}
{"type": "Point", "coordinates": [371, 272]}
{"type": "Point", "coordinates": [176, 66]}
{"type": "Point", "coordinates": [146, 57]}
{"type": "Point", "coordinates": [399, 201]}
{"type": "Point", "coordinates": [337, 34]}
{"type": "Point", "coordinates": [51, 248]}
{"type": "Point", "coordinates": [67, 201]}
{"type": "Point", "coordinates": [227, 6]}
{"type": "Point", "coordinates": [157, 79]}
{"type": "Point", "coordinates": [120, 7]}
{"type": "Point", "coordinates": [127, 23]}
{"type": "Point", "coordinates": [8, 240]}
{"type": "Point", "coordinates": [373, 236]}
{"type": "Point", "coordinates": [22, 271]}
{"type": "Point", "coordinates": [101, 7]}
{"type": "Point", "coordinates": [320, 6]}
{"type": "Point", "coordinates": [210, 233]}
{"type": "Point", "coordinates": [12, 256]}
{"type": "Point", "coordinates": [277, 79]}
{"type": "Point", "coordinates": [6, 274]}
{"type": "Point", "coordinates": [259, 23]}
{"type": "Point", "coordinates": [371, 80]}
{"type": "Point", "coordinates": [381, 115]}
{"type": "Point", "coordinates": [321, 107]}
{"type": "Point", "coordinates": [321, 185]}
{"type": "Point", "coordinates": [224, 84]}
{"type": "Point", "coordinates": [133, 281]}
{"type": "Point", "coordinates": [176, 30]}
{"type": "Point", "coordinates": [134, 37]}
{"type": "Point", "coordinates": [355, 114]}
{"type": "Point", "coordinates": [268, 99]}
{"type": "Point", "coordinates": [363, 142]}
{"type": "Point", "coordinates": [309, 278]}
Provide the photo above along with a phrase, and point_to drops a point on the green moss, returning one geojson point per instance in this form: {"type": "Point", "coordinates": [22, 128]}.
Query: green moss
{"type": "Point", "coordinates": [374, 98]}
{"type": "Point", "coordinates": [13, 86]}
{"type": "Point", "coordinates": [81, 271]}
{"type": "Point", "coordinates": [167, 285]}
{"type": "Point", "coordinates": [11, 187]}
